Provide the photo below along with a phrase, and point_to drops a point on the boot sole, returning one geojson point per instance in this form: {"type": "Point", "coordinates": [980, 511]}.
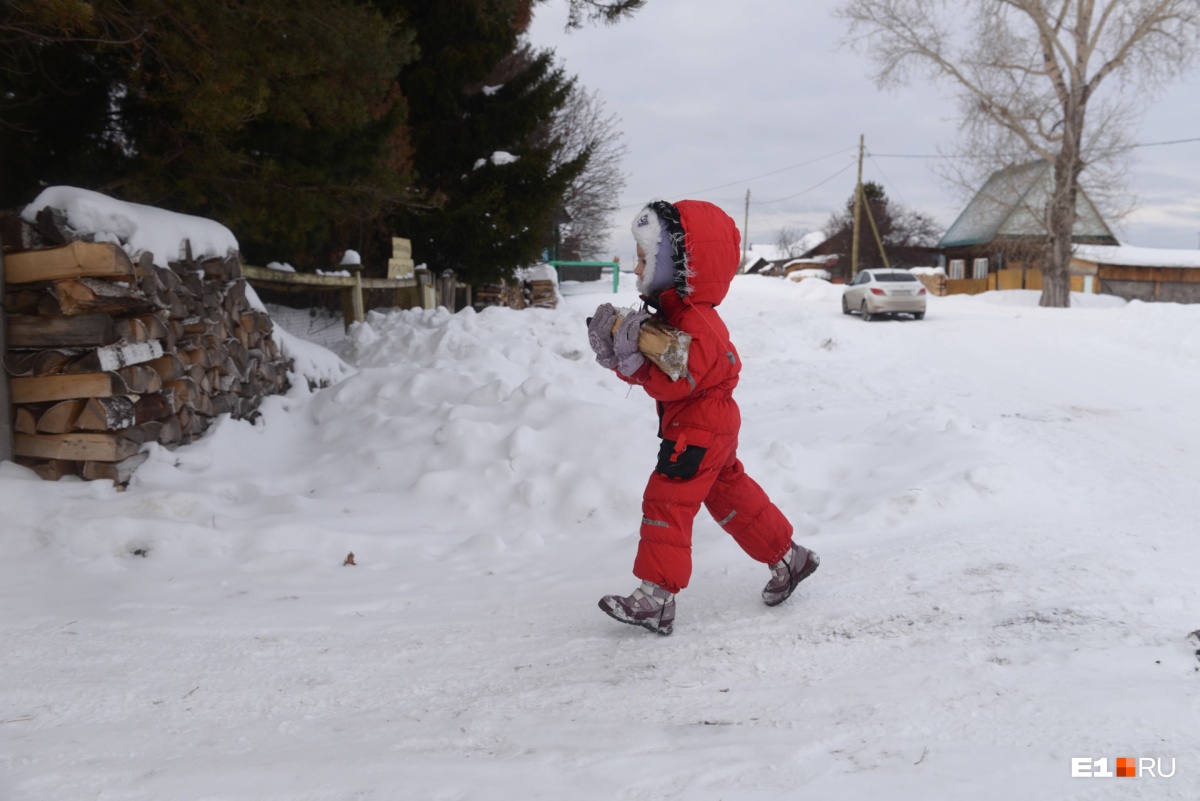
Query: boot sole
{"type": "Point", "coordinates": [617, 615]}
{"type": "Point", "coordinates": [810, 567]}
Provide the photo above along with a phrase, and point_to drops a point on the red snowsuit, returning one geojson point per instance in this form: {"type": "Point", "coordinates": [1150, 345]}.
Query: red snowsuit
{"type": "Point", "coordinates": [699, 419]}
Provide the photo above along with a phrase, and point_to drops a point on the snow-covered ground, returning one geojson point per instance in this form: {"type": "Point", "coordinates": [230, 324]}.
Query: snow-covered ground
{"type": "Point", "coordinates": [1004, 499]}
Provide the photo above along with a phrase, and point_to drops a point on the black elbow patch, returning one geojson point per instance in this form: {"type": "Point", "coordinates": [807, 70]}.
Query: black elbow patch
{"type": "Point", "coordinates": [674, 463]}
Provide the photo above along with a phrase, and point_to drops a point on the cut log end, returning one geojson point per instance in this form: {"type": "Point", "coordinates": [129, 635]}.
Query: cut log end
{"type": "Point", "coordinates": [664, 345]}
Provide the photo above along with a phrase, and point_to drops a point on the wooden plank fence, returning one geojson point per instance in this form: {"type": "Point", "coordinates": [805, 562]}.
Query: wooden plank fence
{"type": "Point", "coordinates": [406, 287]}
{"type": "Point", "coordinates": [1010, 279]}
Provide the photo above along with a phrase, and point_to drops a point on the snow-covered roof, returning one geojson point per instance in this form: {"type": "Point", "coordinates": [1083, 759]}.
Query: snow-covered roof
{"type": "Point", "coordinates": [810, 240]}
{"type": "Point", "coordinates": [1130, 256]}
{"type": "Point", "coordinates": [773, 252]}
{"type": "Point", "coordinates": [767, 252]}
{"type": "Point", "coordinates": [1010, 205]}
{"type": "Point", "coordinates": [821, 260]}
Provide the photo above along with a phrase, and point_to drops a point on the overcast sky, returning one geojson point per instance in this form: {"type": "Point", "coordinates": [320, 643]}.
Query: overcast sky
{"type": "Point", "coordinates": [717, 98]}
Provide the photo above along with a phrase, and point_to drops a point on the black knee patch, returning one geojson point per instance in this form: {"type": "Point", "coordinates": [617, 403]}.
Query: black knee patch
{"type": "Point", "coordinates": [682, 464]}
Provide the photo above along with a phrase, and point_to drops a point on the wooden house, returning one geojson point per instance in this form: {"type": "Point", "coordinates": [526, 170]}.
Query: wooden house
{"type": "Point", "coordinates": [997, 240]}
{"type": "Point", "coordinates": [1134, 273]}
{"type": "Point", "coordinates": [755, 265]}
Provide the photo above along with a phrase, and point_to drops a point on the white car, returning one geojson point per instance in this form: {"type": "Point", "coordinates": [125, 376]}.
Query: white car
{"type": "Point", "coordinates": [875, 292]}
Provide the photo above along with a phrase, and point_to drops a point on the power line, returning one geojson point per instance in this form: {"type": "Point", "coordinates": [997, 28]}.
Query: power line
{"type": "Point", "coordinates": [805, 191]}
{"type": "Point", "coordinates": [918, 156]}
{"type": "Point", "coordinates": [1171, 142]}
{"type": "Point", "coordinates": [967, 156]}
{"type": "Point", "coordinates": [766, 174]}
{"type": "Point", "coordinates": [873, 157]}
{"type": "Point", "coordinates": [895, 187]}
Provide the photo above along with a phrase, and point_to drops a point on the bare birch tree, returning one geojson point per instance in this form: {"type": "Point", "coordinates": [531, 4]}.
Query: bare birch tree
{"type": "Point", "coordinates": [583, 126]}
{"type": "Point", "coordinates": [1058, 80]}
{"type": "Point", "coordinates": [789, 242]}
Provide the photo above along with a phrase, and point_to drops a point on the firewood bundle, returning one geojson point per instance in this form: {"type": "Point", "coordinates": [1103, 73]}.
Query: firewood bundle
{"type": "Point", "coordinates": [935, 283]}
{"type": "Point", "coordinates": [662, 344]}
{"type": "Point", "coordinates": [511, 295]}
{"type": "Point", "coordinates": [538, 293]}
{"type": "Point", "coordinates": [541, 293]}
{"type": "Point", "coordinates": [106, 354]}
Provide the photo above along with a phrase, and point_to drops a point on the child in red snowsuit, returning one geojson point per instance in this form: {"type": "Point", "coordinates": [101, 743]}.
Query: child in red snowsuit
{"type": "Point", "coordinates": [688, 253]}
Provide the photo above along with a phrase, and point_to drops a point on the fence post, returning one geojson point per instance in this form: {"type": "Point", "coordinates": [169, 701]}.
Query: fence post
{"type": "Point", "coordinates": [445, 290]}
{"type": "Point", "coordinates": [6, 410]}
{"type": "Point", "coordinates": [352, 298]}
{"type": "Point", "coordinates": [426, 292]}
{"type": "Point", "coordinates": [359, 312]}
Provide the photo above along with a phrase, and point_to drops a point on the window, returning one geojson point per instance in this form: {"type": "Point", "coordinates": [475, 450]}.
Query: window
{"type": "Point", "coordinates": [980, 268]}
{"type": "Point", "coordinates": [894, 277]}
{"type": "Point", "coordinates": [956, 267]}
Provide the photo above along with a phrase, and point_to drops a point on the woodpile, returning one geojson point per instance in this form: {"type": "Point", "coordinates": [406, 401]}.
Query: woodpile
{"type": "Point", "coordinates": [511, 295]}
{"type": "Point", "coordinates": [106, 354]}
{"type": "Point", "coordinates": [541, 293]}
{"type": "Point", "coordinates": [935, 282]}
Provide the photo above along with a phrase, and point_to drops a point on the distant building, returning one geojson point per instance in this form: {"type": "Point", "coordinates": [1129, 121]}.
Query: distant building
{"type": "Point", "coordinates": [1133, 273]}
{"type": "Point", "coordinates": [1003, 227]}
{"type": "Point", "coordinates": [768, 259]}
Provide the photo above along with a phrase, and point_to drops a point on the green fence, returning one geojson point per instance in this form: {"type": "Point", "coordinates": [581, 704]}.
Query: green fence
{"type": "Point", "coordinates": [559, 265]}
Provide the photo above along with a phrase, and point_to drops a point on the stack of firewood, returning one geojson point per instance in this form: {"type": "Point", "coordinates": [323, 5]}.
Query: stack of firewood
{"type": "Point", "coordinates": [541, 293]}
{"type": "Point", "coordinates": [107, 354]}
{"type": "Point", "coordinates": [510, 294]}
{"type": "Point", "coordinates": [518, 294]}
{"type": "Point", "coordinates": [935, 283]}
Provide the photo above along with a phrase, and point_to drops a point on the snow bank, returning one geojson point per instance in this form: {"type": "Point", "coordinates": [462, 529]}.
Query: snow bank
{"type": "Point", "coordinates": [1031, 298]}
{"type": "Point", "coordinates": [1003, 500]}
{"type": "Point", "coordinates": [1164, 329]}
{"type": "Point", "coordinates": [818, 289]}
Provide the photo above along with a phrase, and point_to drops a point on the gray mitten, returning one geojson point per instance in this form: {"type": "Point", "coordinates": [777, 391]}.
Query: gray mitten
{"type": "Point", "coordinates": [600, 335]}
{"type": "Point", "coordinates": [625, 343]}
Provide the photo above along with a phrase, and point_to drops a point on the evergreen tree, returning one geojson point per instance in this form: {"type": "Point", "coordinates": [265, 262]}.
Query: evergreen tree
{"type": "Point", "coordinates": [280, 118]}
{"type": "Point", "coordinates": [478, 104]}
{"type": "Point", "coordinates": [607, 11]}
{"type": "Point", "coordinates": [908, 236]}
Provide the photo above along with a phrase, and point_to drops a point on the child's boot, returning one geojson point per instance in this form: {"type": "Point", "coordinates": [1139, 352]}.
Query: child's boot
{"type": "Point", "coordinates": [797, 565]}
{"type": "Point", "coordinates": [649, 606]}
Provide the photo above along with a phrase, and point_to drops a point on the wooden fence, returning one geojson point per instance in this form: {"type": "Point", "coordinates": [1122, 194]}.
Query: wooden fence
{"type": "Point", "coordinates": [1010, 279]}
{"type": "Point", "coordinates": [420, 290]}
{"type": "Point", "coordinates": [967, 286]}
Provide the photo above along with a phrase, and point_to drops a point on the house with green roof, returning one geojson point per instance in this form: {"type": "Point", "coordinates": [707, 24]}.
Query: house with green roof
{"type": "Point", "coordinates": [1002, 230]}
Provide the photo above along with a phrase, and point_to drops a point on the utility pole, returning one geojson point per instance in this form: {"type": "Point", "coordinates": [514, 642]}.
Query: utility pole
{"type": "Point", "coordinates": [878, 240]}
{"type": "Point", "coordinates": [745, 233]}
{"type": "Point", "coordinates": [857, 210]}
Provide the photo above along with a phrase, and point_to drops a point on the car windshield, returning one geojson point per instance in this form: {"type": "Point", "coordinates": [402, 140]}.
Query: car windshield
{"type": "Point", "coordinates": [882, 277]}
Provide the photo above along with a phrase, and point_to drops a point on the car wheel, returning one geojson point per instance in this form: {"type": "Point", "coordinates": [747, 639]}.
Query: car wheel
{"type": "Point", "coordinates": [918, 315]}
{"type": "Point", "coordinates": [845, 305]}
{"type": "Point", "coordinates": [866, 313]}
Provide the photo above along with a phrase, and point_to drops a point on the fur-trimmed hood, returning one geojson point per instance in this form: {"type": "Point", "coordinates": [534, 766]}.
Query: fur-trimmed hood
{"type": "Point", "coordinates": [692, 241]}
